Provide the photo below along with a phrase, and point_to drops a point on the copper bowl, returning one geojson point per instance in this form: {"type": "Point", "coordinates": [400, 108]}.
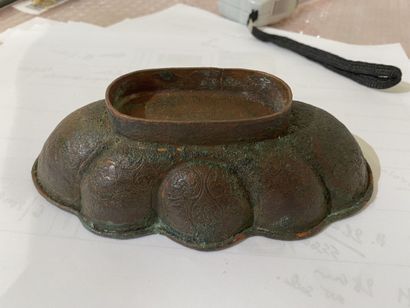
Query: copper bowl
{"type": "Point", "coordinates": [206, 156]}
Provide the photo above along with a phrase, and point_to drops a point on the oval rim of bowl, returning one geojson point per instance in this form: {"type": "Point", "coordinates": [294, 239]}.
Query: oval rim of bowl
{"type": "Point", "coordinates": [115, 112]}
{"type": "Point", "coordinates": [200, 132]}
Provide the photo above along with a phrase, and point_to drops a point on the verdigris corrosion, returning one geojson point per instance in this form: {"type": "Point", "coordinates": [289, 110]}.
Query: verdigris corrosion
{"type": "Point", "coordinates": [206, 156]}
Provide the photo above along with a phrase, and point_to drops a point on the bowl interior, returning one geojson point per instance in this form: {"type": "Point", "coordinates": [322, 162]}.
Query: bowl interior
{"type": "Point", "coordinates": [198, 95]}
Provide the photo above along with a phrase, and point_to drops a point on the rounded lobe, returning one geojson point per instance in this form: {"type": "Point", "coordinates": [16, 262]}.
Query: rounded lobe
{"type": "Point", "coordinates": [203, 202]}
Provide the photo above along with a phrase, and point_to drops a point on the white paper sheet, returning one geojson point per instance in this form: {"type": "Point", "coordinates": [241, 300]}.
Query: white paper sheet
{"type": "Point", "coordinates": [48, 259]}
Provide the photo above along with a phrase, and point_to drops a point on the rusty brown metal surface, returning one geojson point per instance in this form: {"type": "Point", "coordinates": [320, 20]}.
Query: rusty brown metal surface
{"type": "Point", "coordinates": [205, 156]}
{"type": "Point", "coordinates": [199, 106]}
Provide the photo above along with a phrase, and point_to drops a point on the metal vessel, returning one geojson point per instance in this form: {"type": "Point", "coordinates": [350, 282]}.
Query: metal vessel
{"type": "Point", "coordinates": [205, 156]}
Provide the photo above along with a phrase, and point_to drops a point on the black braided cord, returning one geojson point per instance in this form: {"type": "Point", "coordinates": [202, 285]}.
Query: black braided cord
{"type": "Point", "coordinates": [372, 75]}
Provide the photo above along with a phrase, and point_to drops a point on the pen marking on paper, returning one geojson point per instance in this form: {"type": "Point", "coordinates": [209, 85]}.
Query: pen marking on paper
{"type": "Point", "coordinates": [346, 246]}
{"type": "Point", "coordinates": [404, 296]}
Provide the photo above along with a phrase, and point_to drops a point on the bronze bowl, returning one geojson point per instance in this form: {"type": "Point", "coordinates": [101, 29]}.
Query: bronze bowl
{"type": "Point", "coordinates": [205, 156]}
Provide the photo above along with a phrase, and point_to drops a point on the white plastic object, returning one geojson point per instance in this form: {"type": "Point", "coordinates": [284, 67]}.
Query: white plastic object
{"type": "Point", "coordinates": [269, 11]}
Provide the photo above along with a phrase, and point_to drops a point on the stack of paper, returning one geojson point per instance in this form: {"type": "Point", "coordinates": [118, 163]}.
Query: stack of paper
{"type": "Point", "coordinates": [47, 259]}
